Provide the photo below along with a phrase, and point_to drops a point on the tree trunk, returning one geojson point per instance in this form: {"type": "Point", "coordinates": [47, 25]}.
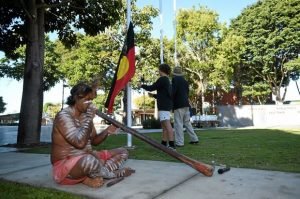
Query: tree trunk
{"type": "Point", "coordinates": [32, 96]}
{"type": "Point", "coordinates": [297, 87]}
{"type": "Point", "coordinates": [284, 94]}
{"type": "Point", "coordinates": [276, 92]}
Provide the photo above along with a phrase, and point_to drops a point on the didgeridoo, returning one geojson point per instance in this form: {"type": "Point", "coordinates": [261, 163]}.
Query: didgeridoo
{"type": "Point", "coordinates": [203, 168]}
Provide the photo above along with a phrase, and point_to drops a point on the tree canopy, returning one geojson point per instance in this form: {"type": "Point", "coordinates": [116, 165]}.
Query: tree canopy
{"type": "Point", "coordinates": [144, 102]}
{"type": "Point", "coordinates": [14, 67]}
{"type": "Point", "coordinates": [26, 22]}
{"type": "Point", "coordinates": [97, 56]}
{"type": "Point", "coordinates": [272, 32]}
{"type": "Point", "coordinates": [64, 17]}
{"type": "Point", "coordinates": [198, 36]}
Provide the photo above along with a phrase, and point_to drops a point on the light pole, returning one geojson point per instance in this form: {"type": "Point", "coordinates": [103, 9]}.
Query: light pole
{"type": "Point", "coordinates": [202, 92]}
{"type": "Point", "coordinates": [143, 81]}
{"type": "Point", "coordinates": [213, 99]}
{"type": "Point", "coordinates": [63, 93]}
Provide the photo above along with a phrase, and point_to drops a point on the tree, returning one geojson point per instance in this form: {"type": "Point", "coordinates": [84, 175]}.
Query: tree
{"type": "Point", "coordinates": [91, 57]}
{"type": "Point", "coordinates": [271, 29]}
{"type": "Point", "coordinates": [257, 92]}
{"type": "Point", "coordinates": [26, 23]}
{"type": "Point", "coordinates": [97, 56]}
{"type": "Point", "coordinates": [14, 67]}
{"type": "Point", "coordinates": [2, 105]}
{"type": "Point", "coordinates": [52, 109]}
{"type": "Point", "coordinates": [198, 37]}
{"type": "Point", "coordinates": [144, 102]}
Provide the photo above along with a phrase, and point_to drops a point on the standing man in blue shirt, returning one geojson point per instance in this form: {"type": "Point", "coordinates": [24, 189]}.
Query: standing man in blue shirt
{"type": "Point", "coordinates": [180, 95]}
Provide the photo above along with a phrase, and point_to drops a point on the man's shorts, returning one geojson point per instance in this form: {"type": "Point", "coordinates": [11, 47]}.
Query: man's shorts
{"type": "Point", "coordinates": [164, 115]}
{"type": "Point", "coordinates": [62, 168]}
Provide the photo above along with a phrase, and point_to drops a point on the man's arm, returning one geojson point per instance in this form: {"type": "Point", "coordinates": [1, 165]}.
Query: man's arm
{"type": "Point", "coordinates": [76, 136]}
{"type": "Point", "coordinates": [152, 95]}
{"type": "Point", "coordinates": [152, 87]}
{"type": "Point", "coordinates": [99, 138]}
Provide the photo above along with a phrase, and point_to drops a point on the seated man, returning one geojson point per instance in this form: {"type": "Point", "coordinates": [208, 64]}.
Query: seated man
{"type": "Point", "coordinates": [73, 135]}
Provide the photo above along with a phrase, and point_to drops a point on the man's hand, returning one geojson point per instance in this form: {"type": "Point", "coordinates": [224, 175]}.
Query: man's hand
{"type": "Point", "coordinates": [91, 110]}
{"type": "Point", "coordinates": [112, 130]}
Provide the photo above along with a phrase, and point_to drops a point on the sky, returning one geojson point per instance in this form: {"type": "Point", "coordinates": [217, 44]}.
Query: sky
{"type": "Point", "coordinates": [11, 90]}
{"type": "Point", "coordinates": [227, 10]}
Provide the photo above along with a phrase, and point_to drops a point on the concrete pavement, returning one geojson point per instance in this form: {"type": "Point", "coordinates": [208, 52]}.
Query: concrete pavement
{"type": "Point", "coordinates": [161, 180]}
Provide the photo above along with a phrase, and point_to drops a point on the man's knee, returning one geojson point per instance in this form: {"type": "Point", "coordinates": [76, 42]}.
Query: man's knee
{"type": "Point", "coordinates": [124, 153]}
{"type": "Point", "coordinates": [90, 163]}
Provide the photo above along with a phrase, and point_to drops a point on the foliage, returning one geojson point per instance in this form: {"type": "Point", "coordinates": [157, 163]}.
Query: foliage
{"type": "Point", "coordinates": [85, 57]}
{"type": "Point", "coordinates": [198, 37]}
{"type": "Point", "coordinates": [291, 65]}
{"type": "Point", "coordinates": [26, 23]}
{"type": "Point", "coordinates": [151, 124]}
{"type": "Point", "coordinates": [60, 16]}
{"type": "Point", "coordinates": [98, 56]}
{"type": "Point", "coordinates": [14, 67]}
{"type": "Point", "coordinates": [91, 57]}
{"type": "Point", "coordinates": [144, 102]}
{"type": "Point", "coordinates": [271, 29]}
{"type": "Point", "coordinates": [149, 60]}
{"type": "Point", "coordinates": [259, 91]}
{"type": "Point", "coordinates": [228, 61]}
{"type": "Point", "coordinates": [147, 63]}
{"type": "Point", "coordinates": [2, 105]}
{"type": "Point", "coordinates": [52, 109]}
{"type": "Point", "coordinates": [99, 101]}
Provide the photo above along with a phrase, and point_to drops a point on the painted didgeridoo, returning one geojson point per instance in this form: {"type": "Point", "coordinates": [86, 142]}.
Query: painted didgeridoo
{"type": "Point", "coordinates": [203, 168]}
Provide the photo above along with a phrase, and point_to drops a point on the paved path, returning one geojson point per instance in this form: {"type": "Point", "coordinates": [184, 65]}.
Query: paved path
{"type": "Point", "coordinates": [8, 134]}
{"type": "Point", "coordinates": [160, 180]}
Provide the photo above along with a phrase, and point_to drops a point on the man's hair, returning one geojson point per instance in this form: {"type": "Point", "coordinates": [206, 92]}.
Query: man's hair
{"type": "Point", "coordinates": [77, 92]}
{"type": "Point", "coordinates": [165, 68]}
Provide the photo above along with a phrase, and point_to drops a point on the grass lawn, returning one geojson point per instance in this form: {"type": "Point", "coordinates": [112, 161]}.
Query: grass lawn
{"type": "Point", "coordinates": [269, 149]}
{"type": "Point", "coordinates": [12, 190]}
{"type": "Point", "coordinates": [248, 148]}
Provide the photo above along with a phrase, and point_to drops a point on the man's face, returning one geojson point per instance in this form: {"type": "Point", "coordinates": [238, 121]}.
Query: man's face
{"type": "Point", "coordinates": [160, 73]}
{"type": "Point", "coordinates": [82, 104]}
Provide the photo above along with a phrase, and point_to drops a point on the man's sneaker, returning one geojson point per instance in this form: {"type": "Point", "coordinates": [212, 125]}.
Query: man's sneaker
{"type": "Point", "coordinates": [179, 145]}
{"type": "Point", "coordinates": [194, 142]}
{"type": "Point", "coordinates": [172, 148]}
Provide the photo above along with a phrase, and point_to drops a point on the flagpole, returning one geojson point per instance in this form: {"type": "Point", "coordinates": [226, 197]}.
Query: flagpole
{"type": "Point", "coordinates": [161, 32]}
{"type": "Point", "coordinates": [128, 87]}
{"type": "Point", "coordinates": [175, 40]}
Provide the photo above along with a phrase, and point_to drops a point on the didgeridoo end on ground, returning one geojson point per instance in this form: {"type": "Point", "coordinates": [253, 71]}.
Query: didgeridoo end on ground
{"type": "Point", "coordinates": [203, 168]}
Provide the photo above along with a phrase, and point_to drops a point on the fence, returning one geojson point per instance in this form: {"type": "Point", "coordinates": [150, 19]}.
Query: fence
{"type": "Point", "coordinates": [259, 115]}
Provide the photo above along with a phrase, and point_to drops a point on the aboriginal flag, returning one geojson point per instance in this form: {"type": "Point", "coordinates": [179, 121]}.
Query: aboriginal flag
{"type": "Point", "coordinates": [125, 69]}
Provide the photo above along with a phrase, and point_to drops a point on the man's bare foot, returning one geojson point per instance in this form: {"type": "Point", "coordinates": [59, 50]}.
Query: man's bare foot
{"type": "Point", "coordinates": [93, 182]}
{"type": "Point", "coordinates": [124, 172]}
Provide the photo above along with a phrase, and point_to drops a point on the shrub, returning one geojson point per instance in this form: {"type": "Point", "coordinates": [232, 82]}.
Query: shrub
{"type": "Point", "coordinates": [151, 124]}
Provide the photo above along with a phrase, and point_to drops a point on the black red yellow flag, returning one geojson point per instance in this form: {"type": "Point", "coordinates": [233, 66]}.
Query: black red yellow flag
{"type": "Point", "coordinates": [125, 69]}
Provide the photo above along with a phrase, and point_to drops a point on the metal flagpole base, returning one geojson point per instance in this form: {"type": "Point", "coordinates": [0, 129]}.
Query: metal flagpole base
{"type": "Point", "coordinates": [130, 147]}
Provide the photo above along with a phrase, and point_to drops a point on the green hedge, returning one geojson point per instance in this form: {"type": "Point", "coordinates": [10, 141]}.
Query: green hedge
{"type": "Point", "coordinates": [151, 124]}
